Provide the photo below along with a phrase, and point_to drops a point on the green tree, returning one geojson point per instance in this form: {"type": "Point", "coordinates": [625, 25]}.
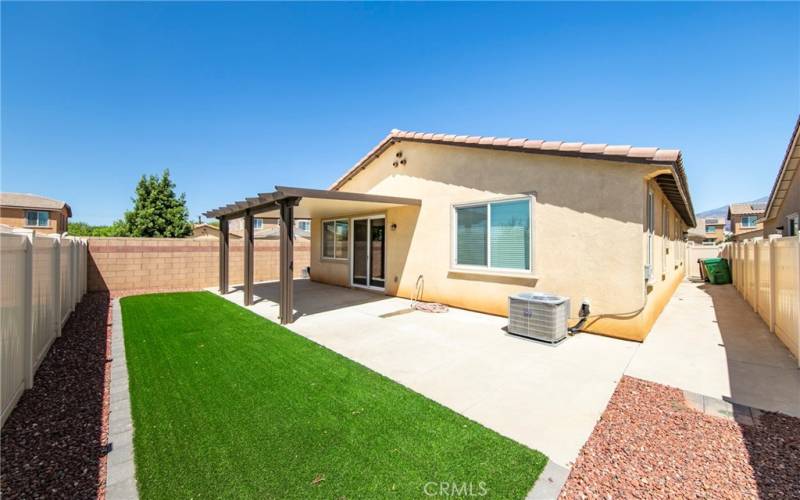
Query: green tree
{"type": "Point", "coordinates": [78, 228]}
{"type": "Point", "coordinates": [157, 210]}
{"type": "Point", "coordinates": [118, 228]}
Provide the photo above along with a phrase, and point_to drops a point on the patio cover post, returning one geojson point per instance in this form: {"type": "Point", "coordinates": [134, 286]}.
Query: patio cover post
{"type": "Point", "coordinates": [248, 258]}
{"type": "Point", "coordinates": [224, 251]}
{"type": "Point", "coordinates": [287, 259]}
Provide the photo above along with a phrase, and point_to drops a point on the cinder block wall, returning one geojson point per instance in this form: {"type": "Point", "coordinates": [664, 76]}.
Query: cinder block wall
{"type": "Point", "coordinates": [165, 263]}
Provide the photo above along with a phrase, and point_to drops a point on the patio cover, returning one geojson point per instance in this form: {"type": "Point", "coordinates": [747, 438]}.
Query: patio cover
{"type": "Point", "coordinates": [286, 203]}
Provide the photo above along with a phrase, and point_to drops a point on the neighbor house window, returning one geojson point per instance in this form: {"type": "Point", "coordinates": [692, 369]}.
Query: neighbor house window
{"type": "Point", "coordinates": [305, 225]}
{"type": "Point", "coordinates": [37, 218]}
{"type": "Point", "coordinates": [494, 235]}
{"type": "Point", "coordinates": [749, 220]}
{"type": "Point", "coordinates": [335, 237]}
{"type": "Point", "coordinates": [711, 229]}
{"type": "Point", "coordinates": [258, 223]}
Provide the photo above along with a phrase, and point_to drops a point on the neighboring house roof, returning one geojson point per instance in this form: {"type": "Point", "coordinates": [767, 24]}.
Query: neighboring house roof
{"type": "Point", "coordinates": [746, 209]}
{"type": "Point", "coordinates": [677, 191]}
{"type": "Point", "coordinates": [32, 201]}
{"type": "Point", "coordinates": [786, 174]}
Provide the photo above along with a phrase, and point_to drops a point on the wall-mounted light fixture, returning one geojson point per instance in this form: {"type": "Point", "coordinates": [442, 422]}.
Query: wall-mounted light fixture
{"type": "Point", "coordinates": [394, 227]}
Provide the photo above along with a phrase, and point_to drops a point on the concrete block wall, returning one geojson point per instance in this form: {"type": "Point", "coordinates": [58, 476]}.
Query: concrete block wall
{"type": "Point", "coordinates": [166, 263]}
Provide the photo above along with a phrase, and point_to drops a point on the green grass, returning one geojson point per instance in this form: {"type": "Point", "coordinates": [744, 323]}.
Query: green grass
{"type": "Point", "coordinates": [228, 404]}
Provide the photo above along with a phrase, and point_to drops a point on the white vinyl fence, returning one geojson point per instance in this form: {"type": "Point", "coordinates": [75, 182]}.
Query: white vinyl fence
{"type": "Point", "coordinates": [43, 278]}
{"type": "Point", "coordinates": [767, 274]}
{"type": "Point", "coordinates": [694, 252]}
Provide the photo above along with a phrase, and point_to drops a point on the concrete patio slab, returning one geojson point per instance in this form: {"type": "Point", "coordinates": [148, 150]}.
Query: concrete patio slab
{"type": "Point", "coordinates": [709, 341]}
{"type": "Point", "coordinates": [548, 398]}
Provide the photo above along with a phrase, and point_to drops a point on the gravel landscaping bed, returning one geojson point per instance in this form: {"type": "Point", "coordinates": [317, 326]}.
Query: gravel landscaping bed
{"type": "Point", "coordinates": [53, 444]}
{"type": "Point", "coordinates": [650, 444]}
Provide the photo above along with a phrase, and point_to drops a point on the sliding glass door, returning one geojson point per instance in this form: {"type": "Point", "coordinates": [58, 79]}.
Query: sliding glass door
{"type": "Point", "coordinates": [369, 252]}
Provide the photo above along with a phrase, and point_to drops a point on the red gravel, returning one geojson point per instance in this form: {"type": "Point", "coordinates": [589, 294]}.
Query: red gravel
{"type": "Point", "coordinates": [53, 443]}
{"type": "Point", "coordinates": [649, 444]}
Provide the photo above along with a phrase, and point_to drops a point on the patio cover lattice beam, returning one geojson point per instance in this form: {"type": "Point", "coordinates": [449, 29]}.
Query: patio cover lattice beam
{"type": "Point", "coordinates": [284, 200]}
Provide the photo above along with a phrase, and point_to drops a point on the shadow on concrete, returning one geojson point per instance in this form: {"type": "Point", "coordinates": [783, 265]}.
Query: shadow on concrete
{"type": "Point", "coordinates": [761, 368]}
{"type": "Point", "coordinates": [311, 297]}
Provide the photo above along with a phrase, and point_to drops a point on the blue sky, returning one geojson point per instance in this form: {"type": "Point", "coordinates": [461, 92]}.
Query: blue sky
{"type": "Point", "coordinates": [235, 98]}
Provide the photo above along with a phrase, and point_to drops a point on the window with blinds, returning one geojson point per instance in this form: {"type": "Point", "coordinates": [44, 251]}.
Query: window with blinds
{"type": "Point", "coordinates": [494, 235]}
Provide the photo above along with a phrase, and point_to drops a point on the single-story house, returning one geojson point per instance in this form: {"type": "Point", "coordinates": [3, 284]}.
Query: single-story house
{"type": "Point", "coordinates": [468, 220]}
{"type": "Point", "coordinates": [782, 215]}
{"type": "Point", "coordinates": [31, 211]}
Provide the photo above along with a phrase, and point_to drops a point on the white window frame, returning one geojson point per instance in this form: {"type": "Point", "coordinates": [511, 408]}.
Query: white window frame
{"type": "Point", "coordinates": [750, 217]}
{"type": "Point", "coordinates": [488, 269]}
{"type": "Point", "coordinates": [257, 224]}
{"type": "Point", "coordinates": [650, 220]}
{"type": "Point", "coordinates": [352, 253]}
{"type": "Point", "coordinates": [37, 212]}
{"type": "Point", "coordinates": [322, 239]}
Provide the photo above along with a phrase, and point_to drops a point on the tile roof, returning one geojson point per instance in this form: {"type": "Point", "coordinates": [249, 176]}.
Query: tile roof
{"type": "Point", "coordinates": [746, 208]}
{"type": "Point", "coordinates": [27, 200]}
{"type": "Point", "coordinates": [574, 149]}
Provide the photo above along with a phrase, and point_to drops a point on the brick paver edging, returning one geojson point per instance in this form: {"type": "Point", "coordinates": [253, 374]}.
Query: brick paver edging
{"type": "Point", "coordinates": [121, 472]}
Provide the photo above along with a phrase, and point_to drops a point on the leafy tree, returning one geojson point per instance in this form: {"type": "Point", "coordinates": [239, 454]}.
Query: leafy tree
{"type": "Point", "coordinates": [157, 210]}
{"type": "Point", "coordinates": [118, 228]}
{"type": "Point", "coordinates": [78, 228]}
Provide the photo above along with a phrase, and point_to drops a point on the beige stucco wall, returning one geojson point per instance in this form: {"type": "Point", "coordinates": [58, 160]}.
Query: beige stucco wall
{"type": "Point", "coordinates": [588, 231]}
{"type": "Point", "coordinates": [15, 217]}
{"type": "Point", "coordinates": [790, 205]}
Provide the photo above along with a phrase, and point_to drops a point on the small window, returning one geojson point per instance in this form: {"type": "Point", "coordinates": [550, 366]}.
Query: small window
{"type": "Point", "coordinates": [335, 238]}
{"type": "Point", "coordinates": [37, 218]}
{"type": "Point", "coordinates": [749, 220]}
{"type": "Point", "coordinates": [495, 235]}
{"type": "Point", "coordinates": [304, 225]}
{"type": "Point", "coordinates": [792, 224]}
{"type": "Point", "coordinates": [711, 229]}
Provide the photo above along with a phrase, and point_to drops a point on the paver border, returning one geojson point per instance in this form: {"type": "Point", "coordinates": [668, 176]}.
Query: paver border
{"type": "Point", "coordinates": [549, 483]}
{"type": "Point", "coordinates": [120, 468]}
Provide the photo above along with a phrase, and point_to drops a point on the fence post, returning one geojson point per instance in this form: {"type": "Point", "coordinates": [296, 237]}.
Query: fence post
{"type": "Point", "coordinates": [756, 275]}
{"type": "Point", "coordinates": [773, 295]}
{"type": "Point", "coordinates": [57, 281]}
{"type": "Point", "coordinates": [28, 308]}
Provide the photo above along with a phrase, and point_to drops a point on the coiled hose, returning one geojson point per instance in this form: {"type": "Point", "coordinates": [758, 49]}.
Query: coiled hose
{"type": "Point", "coordinates": [431, 307]}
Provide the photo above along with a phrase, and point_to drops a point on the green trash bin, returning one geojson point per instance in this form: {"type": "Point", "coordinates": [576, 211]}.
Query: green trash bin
{"type": "Point", "coordinates": [717, 271]}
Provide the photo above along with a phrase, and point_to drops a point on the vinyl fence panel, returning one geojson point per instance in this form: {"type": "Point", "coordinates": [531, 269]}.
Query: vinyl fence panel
{"type": "Point", "coordinates": [787, 292]}
{"type": "Point", "coordinates": [14, 249]}
{"type": "Point", "coordinates": [43, 277]}
{"type": "Point", "coordinates": [45, 296]}
{"type": "Point", "coordinates": [694, 252]}
{"type": "Point", "coordinates": [763, 295]}
{"type": "Point", "coordinates": [767, 274]}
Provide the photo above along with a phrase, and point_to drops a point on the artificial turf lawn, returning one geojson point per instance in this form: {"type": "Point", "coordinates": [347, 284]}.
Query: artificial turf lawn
{"type": "Point", "coordinates": [228, 404]}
